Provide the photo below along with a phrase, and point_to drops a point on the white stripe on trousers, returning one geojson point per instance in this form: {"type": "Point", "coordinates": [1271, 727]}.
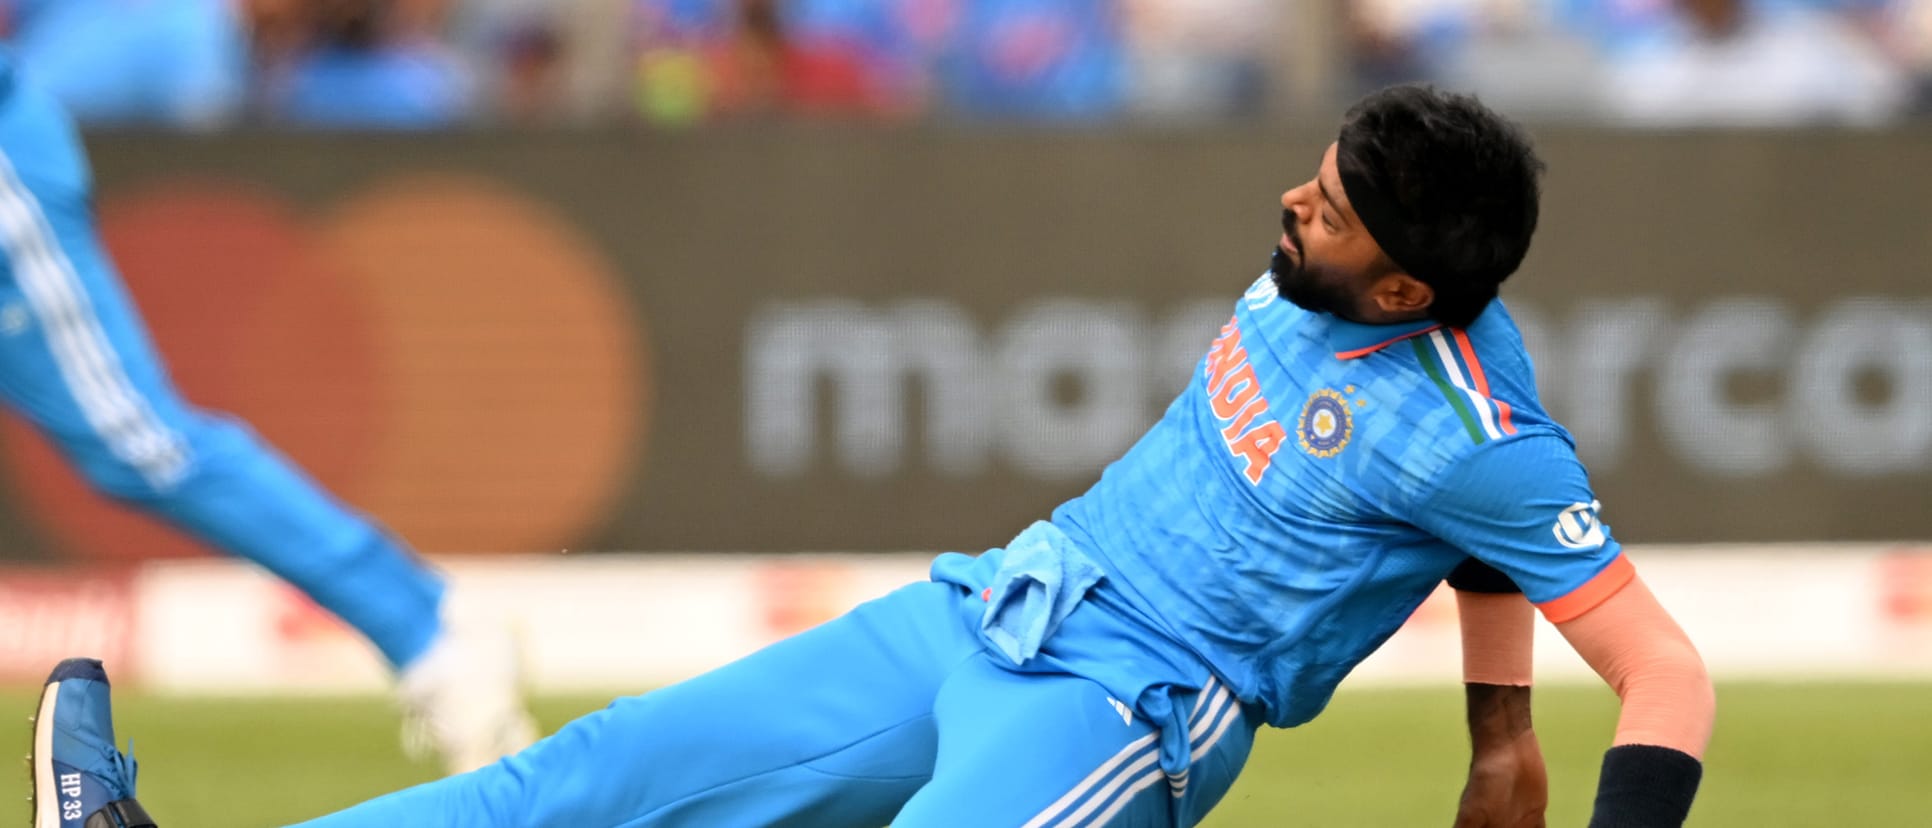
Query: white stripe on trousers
{"type": "Point", "coordinates": [1144, 783]}
{"type": "Point", "coordinates": [1206, 706]}
{"type": "Point", "coordinates": [1106, 769]}
{"type": "Point", "coordinates": [1213, 708]}
{"type": "Point", "coordinates": [1141, 755]}
{"type": "Point", "coordinates": [1227, 720]}
{"type": "Point", "coordinates": [1213, 683]}
{"type": "Point", "coordinates": [1100, 797]}
{"type": "Point", "coordinates": [1226, 717]}
{"type": "Point", "coordinates": [86, 360]}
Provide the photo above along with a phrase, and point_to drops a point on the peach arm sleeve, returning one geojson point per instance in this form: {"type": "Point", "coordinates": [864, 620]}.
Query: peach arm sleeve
{"type": "Point", "coordinates": [1498, 631]}
{"type": "Point", "coordinates": [1634, 644]}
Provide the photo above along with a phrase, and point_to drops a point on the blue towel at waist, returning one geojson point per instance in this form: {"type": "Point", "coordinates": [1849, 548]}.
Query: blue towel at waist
{"type": "Point", "coordinates": [1046, 609]}
{"type": "Point", "coordinates": [1041, 578]}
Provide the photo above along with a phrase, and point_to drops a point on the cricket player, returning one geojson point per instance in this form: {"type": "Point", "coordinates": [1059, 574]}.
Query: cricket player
{"type": "Point", "coordinates": [1364, 424]}
{"type": "Point", "coordinates": [76, 363]}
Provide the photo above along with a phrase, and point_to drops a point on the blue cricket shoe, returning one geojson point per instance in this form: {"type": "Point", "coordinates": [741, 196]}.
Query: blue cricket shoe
{"type": "Point", "coordinates": [80, 779]}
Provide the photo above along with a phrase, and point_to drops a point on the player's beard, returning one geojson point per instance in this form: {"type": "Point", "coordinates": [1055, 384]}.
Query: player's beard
{"type": "Point", "coordinates": [1294, 281]}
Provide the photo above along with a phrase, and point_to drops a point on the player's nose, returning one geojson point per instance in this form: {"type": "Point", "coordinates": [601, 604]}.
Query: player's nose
{"type": "Point", "coordinates": [1295, 200]}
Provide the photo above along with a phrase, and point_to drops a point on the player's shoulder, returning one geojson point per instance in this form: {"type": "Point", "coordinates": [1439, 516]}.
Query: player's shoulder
{"type": "Point", "coordinates": [1439, 403]}
{"type": "Point", "coordinates": [1475, 386]}
{"type": "Point", "coordinates": [1497, 344]}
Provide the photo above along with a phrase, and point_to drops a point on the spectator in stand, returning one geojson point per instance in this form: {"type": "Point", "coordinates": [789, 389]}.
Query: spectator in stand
{"type": "Point", "coordinates": [371, 64]}
{"type": "Point", "coordinates": [1200, 58]}
{"type": "Point", "coordinates": [893, 42]}
{"type": "Point", "coordinates": [707, 59]}
{"type": "Point", "coordinates": [1520, 60]}
{"type": "Point", "coordinates": [669, 39]}
{"type": "Point", "coordinates": [763, 69]}
{"type": "Point", "coordinates": [1904, 30]}
{"type": "Point", "coordinates": [1506, 50]}
{"type": "Point", "coordinates": [1385, 43]}
{"type": "Point", "coordinates": [528, 71]}
{"type": "Point", "coordinates": [1915, 21]}
{"type": "Point", "coordinates": [541, 62]}
{"type": "Point", "coordinates": [1728, 63]}
{"type": "Point", "coordinates": [1041, 60]}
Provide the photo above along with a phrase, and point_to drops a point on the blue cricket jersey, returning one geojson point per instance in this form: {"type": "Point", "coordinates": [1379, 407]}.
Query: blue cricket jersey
{"type": "Point", "coordinates": [1318, 478]}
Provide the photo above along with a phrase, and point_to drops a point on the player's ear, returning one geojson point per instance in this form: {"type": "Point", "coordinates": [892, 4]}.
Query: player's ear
{"type": "Point", "coordinates": [1401, 295]}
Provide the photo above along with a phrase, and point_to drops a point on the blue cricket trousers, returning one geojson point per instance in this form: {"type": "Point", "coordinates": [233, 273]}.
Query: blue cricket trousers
{"type": "Point", "coordinates": [894, 713]}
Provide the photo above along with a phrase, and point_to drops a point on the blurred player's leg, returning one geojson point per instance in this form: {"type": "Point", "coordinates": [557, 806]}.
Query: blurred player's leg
{"type": "Point", "coordinates": [76, 361]}
{"type": "Point", "coordinates": [1055, 750]}
{"type": "Point", "coordinates": [831, 728]}
{"type": "Point", "coordinates": [463, 696]}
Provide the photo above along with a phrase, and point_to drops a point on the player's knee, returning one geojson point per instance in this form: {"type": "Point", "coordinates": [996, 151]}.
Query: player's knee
{"type": "Point", "coordinates": [132, 483]}
{"type": "Point", "coordinates": [141, 465]}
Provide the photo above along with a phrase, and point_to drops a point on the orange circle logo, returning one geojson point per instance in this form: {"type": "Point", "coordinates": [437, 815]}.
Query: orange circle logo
{"type": "Point", "coordinates": [449, 356]}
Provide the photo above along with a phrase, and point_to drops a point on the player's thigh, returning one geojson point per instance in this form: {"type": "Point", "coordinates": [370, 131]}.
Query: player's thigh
{"type": "Point", "coordinates": [832, 727]}
{"type": "Point", "coordinates": [1056, 750]}
{"type": "Point", "coordinates": [75, 359]}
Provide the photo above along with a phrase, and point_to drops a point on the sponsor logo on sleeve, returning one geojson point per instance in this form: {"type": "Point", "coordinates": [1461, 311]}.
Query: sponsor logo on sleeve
{"type": "Point", "coordinates": [1578, 527]}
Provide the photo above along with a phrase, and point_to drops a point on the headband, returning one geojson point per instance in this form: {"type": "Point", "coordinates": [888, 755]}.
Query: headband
{"type": "Point", "coordinates": [1386, 224]}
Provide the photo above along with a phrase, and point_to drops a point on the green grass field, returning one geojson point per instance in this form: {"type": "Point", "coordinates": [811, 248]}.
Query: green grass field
{"type": "Point", "coordinates": [1784, 755]}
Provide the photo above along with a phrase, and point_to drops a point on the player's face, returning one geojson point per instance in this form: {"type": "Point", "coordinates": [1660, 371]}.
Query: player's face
{"type": "Point", "coordinates": [1325, 260]}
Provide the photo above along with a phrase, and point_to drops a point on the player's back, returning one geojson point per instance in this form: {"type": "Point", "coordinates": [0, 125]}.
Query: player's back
{"type": "Point", "coordinates": [1258, 520]}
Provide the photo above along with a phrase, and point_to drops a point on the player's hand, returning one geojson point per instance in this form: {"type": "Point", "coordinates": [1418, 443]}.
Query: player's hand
{"type": "Point", "coordinates": [1508, 787]}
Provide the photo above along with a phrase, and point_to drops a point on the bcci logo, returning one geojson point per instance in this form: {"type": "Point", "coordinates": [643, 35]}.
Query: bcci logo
{"type": "Point", "coordinates": [1325, 424]}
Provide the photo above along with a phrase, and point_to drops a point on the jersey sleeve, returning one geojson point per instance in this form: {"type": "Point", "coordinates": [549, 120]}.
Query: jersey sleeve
{"type": "Point", "coordinates": [1524, 506]}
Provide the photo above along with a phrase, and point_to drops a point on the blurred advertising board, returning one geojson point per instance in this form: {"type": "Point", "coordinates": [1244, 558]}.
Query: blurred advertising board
{"type": "Point", "coordinates": [50, 613]}
{"type": "Point", "coordinates": [819, 338]}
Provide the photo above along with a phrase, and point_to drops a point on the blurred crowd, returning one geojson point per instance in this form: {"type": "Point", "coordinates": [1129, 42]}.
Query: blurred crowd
{"type": "Point", "coordinates": [1662, 62]}
{"type": "Point", "coordinates": [423, 64]}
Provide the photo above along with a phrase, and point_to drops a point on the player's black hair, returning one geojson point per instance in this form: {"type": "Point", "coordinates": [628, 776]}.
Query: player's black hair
{"type": "Point", "coordinates": [1461, 185]}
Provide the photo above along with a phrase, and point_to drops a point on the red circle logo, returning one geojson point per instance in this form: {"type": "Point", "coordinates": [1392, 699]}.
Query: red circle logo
{"type": "Point", "coordinates": [452, 357]}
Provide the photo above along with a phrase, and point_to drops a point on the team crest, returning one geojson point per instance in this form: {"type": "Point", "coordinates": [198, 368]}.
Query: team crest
{"type": "Point", "coordinates": [1325, 424]}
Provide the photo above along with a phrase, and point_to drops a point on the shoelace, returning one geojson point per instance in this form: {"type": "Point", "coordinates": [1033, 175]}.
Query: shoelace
{"type": "Point", "coordinates": [124, 768]}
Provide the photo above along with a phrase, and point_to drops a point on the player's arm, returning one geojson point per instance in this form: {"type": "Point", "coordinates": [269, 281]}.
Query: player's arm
{"type": "Point", "coordinates": [1524, 506]}
{"type": "Point", "coordinates": [1508, 784]}
{"type": "Point", "coordinates": [1651, 772]}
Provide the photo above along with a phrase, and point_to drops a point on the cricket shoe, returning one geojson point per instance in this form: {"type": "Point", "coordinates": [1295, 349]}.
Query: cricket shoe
{"type": "Point", "coordinates": [462, 699]}
{"type": "Point", "coordinates": [80, 779]}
